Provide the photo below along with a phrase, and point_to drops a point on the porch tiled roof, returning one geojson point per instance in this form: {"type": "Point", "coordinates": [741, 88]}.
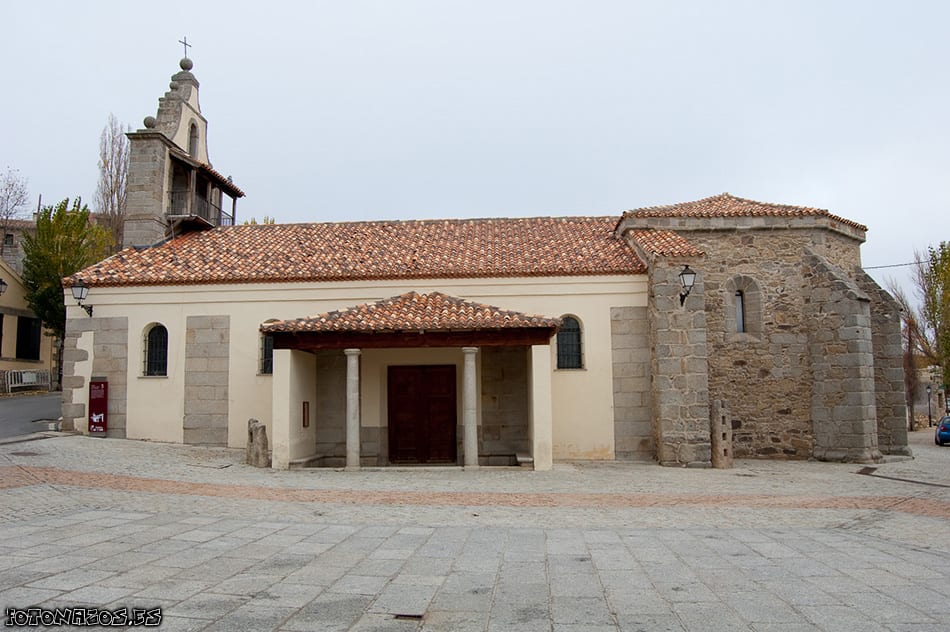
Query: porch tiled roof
{"type": "Point", "coordinates": [463, 248]}
{"type": "Point", "coordinates": [413, 312]}
{"type": "Point", "coordinates": [726, 205]}
{"type": "Point", "coordinates": [665, 243]}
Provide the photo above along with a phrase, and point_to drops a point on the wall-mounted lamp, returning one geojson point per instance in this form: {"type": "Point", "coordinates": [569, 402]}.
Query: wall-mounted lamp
{"type": "Point", "coordinates": [3, 286]}
{"type": "Point", "coordinates": [80, 292]}
{"type": "Point", "coordinates": [687, 280]}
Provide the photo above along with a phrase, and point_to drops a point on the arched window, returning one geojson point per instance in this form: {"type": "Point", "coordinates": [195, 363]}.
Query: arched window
{"type": "Point", "coordinates": [156, 350]}
{"type": "Point", "coordinates": [193, 141]}
{"type": "Point", "coordinates": [743, 307]}
{"type": "Point", "coordinates": [569, 353]}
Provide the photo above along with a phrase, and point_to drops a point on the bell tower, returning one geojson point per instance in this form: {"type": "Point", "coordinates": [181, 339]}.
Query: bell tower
{"type": "Point", "coordinates": [172, 186]}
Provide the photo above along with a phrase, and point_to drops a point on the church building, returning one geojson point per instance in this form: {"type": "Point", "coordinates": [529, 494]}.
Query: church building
{"type": "Point", "coordinates": [688, 334]}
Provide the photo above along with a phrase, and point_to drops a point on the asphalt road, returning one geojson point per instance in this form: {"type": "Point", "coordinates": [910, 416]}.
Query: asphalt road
{"type": "Point", "coordinates": [19, 415]}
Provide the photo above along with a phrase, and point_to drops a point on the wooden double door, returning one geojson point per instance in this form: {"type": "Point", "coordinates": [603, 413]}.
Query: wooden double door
{"type": "Point", "coordinates": [422, 414]}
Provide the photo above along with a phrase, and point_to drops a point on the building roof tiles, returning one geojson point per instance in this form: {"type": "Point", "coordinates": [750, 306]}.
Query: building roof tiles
{"type": "Point", "coordinates": [462, 248]}
{"type": "Point", "coordinates": [665, 243]}
{"type": "Point", "coordinates": [412, 312]}
{"type": "Point", "coordinates": [726, 205]}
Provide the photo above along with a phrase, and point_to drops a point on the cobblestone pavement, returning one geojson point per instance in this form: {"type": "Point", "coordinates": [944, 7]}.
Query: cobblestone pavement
{"type": "Point", "coordinates": [783, 546]}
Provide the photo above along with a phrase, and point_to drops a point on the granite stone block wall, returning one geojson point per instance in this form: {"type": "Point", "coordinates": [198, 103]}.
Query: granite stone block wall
{"type": "Point", "coordinates": [207, 363]}
{"type": "Point", "coordinates": [145, 211]}
{"type": "Point", "coordinates": [504, 429]}
{"type": "Point", "coordinates": [842, 358]}
{"type": "Point", "coordinates": [110, 361]}
{"type": "Point", "coordinates": [762, 374]}
{"type": "Point", "coordinates": [330, 413]}
{"type": "Point", "coordinates": [680, 388]}
{"type": "Point", "coordinates": [888, 368]}
{"type": "Point", "coordinates": [631, 360]}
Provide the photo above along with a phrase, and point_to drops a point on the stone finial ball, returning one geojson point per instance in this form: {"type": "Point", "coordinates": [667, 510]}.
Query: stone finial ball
{"type": "Point", "coordinates": [150, 122]}
{"type": "Point", "coordinates": [186, 64]}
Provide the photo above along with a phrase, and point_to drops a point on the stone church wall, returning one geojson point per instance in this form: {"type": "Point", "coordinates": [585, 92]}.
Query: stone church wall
{"type": "Point", "coordinates": [207, 362]}
{"type": "Point", "coordinates": [145, 209]}
{"type": "Point", "coordinates": [330, 413]}
{"type": "Point", "coordinates": [504, 428]}
{"type": "Point", "coordinates": [888, 368]}
{"type": "Point", "coordinates": [631, 353]}
{"type": "Point", "coordinates": [763, 374]}
{"type": "Point", "coordinates": [840, 346]}
{"type": "Point", "coordinates": [679, 370]}
{"type": "Point", "coordinates": [109, 361]}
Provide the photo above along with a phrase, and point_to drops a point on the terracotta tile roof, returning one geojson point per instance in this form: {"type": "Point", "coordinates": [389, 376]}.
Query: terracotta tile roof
{"type": "Point", "coordinates": [413, 312]}
{"type": "Point", "coordinates": [432, 249]}
{"type": "Point", "coordinates": [665, 242]}
{"type": "Point", "coordinates": [725, 205]}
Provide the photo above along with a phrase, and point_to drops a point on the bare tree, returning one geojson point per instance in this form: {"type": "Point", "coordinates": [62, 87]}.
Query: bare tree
{"type": "Point", "coordinates": [926, 320]}
{"type": "Point", "coordinates": [13, 199]}
{"type": "Point", "coordinates": [113, 179]}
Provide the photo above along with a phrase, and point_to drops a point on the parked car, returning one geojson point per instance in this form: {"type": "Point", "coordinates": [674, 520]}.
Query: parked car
{"type": "Point", "coordinates": [942, 435]}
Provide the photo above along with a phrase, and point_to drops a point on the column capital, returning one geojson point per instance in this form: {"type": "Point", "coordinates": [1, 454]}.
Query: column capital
{"type": "Point", "coordinates": [352, 352]}
{"type": "Point", "coordinates": [468, 350]}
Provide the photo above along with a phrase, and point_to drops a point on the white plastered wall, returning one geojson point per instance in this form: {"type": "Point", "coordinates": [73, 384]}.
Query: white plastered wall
{"type": "Point", "coordinates": [293, 439]}
{"type": "Point", "coordinates": [582, 399]}
{"type": "Point", "coordinates": [191, 113]}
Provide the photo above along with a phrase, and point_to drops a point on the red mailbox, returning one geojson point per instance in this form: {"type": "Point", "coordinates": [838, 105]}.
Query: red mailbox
{"type": "Point", "coordinates": [98, 407]}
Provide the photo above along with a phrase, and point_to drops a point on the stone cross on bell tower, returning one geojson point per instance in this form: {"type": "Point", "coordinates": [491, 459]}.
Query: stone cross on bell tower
{"type": "Point", "coordinates": [184, 41]}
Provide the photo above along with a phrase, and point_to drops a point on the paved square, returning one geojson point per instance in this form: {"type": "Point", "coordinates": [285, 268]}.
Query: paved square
{"type": "Point", "coordinates": [764, 546]}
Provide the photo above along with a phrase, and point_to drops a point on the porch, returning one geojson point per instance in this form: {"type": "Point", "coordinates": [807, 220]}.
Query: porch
{"type": "Point", "coordinates": [461, 396]}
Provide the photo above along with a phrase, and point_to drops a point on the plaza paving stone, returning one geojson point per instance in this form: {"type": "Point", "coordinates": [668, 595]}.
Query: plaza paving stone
{"type": "Point", "coordinates": [218, 545]}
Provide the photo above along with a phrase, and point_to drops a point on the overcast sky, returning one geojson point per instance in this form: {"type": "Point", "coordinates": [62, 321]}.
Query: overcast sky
{"type": "Point", "coordinates": [386, 109]}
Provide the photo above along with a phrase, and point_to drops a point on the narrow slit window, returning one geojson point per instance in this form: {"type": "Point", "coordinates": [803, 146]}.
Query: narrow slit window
{"type": "Point", "coordinates": [740, 311]}
{"type": "Point", "coordinates": [569, 354]}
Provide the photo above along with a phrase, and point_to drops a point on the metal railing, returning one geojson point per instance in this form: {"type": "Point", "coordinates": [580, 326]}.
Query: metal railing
{"type": "Point", "coordinates": [30, 378]}
{"type": "Point", "coordinates": [200, 207]}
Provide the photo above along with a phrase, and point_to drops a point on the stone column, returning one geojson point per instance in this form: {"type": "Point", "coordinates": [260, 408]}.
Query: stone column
{"type": "Point", "coordinates": [352, 408]}
{"type": "Point", "coordinates": [469, 418]}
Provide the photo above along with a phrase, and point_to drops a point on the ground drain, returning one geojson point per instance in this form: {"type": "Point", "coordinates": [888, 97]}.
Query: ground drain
{"type": "Point", "coordinates": [411, 617]}
{"type": "Point", "coordinates": [25, 453]}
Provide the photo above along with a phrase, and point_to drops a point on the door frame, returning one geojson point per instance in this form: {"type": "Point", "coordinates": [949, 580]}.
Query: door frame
{"type": "Point", "coordinates": [422, 436]}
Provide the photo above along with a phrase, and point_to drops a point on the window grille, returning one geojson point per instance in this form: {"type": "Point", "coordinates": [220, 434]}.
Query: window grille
{"type": "Point", "coordinates": [156, 351]}
{"type": "Point", "coordinates": [267, 355]}
{"type": "Point", "coordinates": [569, 354]}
